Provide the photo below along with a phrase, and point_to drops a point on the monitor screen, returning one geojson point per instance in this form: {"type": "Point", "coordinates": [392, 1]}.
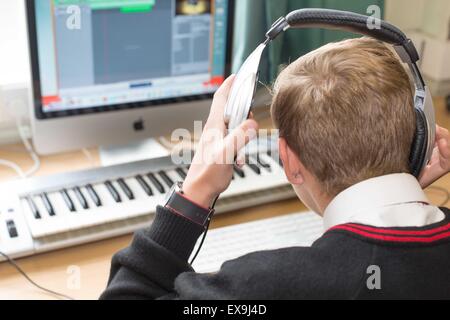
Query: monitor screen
{"type": "Point", "coordinates": [100, 55]}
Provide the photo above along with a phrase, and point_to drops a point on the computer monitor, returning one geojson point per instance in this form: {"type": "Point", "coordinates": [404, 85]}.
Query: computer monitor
{"type": "Point", "coordinates": [111, 71]}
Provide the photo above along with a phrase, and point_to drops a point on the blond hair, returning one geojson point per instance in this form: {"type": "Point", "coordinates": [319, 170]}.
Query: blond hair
{"type": "Point", "coordinates": [346, 110]}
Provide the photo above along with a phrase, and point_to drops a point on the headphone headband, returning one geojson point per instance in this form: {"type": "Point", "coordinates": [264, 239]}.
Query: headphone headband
{"type": "Point", "coordinates": [345, 21]}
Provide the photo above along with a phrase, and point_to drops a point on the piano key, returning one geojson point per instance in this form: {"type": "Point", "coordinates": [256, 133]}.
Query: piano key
{"type": "Point", "coordinates": [64, 217]}
{"type": "Point", "coordinates": [37, 199]}
{"type": "Point", "coordinates": [239, 171]}
{"type": "Point", "coordinates": [93, 194]}
{"type": "Point", "coordinates": [81, 198]}
{"type": "Point", "coordinates": [104, 195]}
{"type": "Point", "coordinates": [167, 180]}
{"type": "Point", "coordinates": [255, 168]}
{"type": "Point", "coordinates": [181, 173]}
{"type": "Point", "coordinates": [47, 204]}
{"type": "Point", "coordinates": [173, 175]}
{"type": "Point", "coordinates": [120, 191]}
{"type": "Point", "coordinates": [91, 204]}
{"type": "Point", "coordinates": [33, 208]}
{"type": "Point", "coordinates": [113, 191]}
{"type": "Point", "coordinates": [68, 200]}
{"type": "Point", "coordinates": [274, 163]}
{"type": "Point", "coordinates": [138, 193]}
{"type": "Point", "coordinates": [76, 202]}
{"type": "Point", "coordinates": [144, 185]}
{"type": "Point", "coordinates": [262, 162]}
{"type": "Point", "coordinates": [125, 188]}
{"type": "Point", "coordinates": [156, 183]}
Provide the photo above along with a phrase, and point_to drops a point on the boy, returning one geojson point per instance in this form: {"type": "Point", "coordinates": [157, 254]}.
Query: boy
{"type": "Point", "coordinates": [346, 120]}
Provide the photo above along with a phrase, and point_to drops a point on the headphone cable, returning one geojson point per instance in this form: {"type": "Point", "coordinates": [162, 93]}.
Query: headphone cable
{"type": "Point", "coordinates": [204, 235]}
{"type": "Point", "coordinates": [13, 263]}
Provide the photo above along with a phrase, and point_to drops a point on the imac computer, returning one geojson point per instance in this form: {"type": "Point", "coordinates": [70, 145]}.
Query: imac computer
{"type": "Point", "coordinates": [112, 71]}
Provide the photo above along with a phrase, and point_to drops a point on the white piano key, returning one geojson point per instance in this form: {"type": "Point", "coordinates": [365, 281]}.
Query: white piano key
{"type": "Point", "coordinates": [104, 194]}
{"type": "Point", "coordinates": [119, 190]}
{"type": "Point", "coordinates": [154, 189]}
{"type": "Point", "coordinates": [136, 188]}
{"type": "Point", "coordinates": [88, 198]}
{"type": "Point", "coordinates": [40, 206]}
{"type": "Point", "coordinates": [172, 174]}
{"type": "Point", "coordinates": [75, 201]}
{"type": "Point", "coordinates": [275, 166]}
{"type": "Point", "coordinates": [94, 194]}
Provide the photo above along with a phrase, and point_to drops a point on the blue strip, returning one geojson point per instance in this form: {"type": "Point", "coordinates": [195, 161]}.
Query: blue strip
{"type": "Point", "coordinates": [140, 85]}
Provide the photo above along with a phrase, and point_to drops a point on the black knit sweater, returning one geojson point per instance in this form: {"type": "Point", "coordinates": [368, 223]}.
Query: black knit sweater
{"type": "Point", "coordinates": [350, 261]}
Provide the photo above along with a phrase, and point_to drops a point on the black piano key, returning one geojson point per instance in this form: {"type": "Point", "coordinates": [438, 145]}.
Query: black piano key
{"type": "Point", "coordinates": [169, 182]}
{"type": "Point", "coordinates": [181, 173]}
{"type": "Point", "coordinates": [239, 171]}
{"type": "Point", "coordinates": [47, 204]}
{"type": "Point", "coordinates": [125, 188]}
{"type": "Point", "coordinates": [33, 208]}
{"type": "Point", "coordinates": [156, 183]}
{"type": "Point", "coordinates": [250, 162]}
{"type": "Point", "coordinates": [280, 162]}
{"type": "Point", "coordinates": [94, 196]}
{"type": "Point", "coordinates": [144, 185]}
{"type": "Point", "coordinates": [263, 163]}
{"type": "Point", "coordinates": [255, 168]}
{"type": "Point", "coordinates": [68, 200]}
{"type": "Point", "coordinates": [113, 191]}
{"type": "Point", "coordinates": [81, 198]}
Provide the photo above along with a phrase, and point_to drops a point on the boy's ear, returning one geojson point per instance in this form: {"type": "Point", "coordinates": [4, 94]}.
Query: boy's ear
{"type": "Point", "coordinates": [291, 163]}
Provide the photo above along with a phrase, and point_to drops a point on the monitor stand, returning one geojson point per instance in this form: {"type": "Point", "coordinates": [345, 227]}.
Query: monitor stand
{"type": "Point", "coordinates": [131, 152]}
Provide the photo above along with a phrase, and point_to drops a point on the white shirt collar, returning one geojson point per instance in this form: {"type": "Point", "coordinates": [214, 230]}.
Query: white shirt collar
{"type": "Point", "coordinates": [385, 201]}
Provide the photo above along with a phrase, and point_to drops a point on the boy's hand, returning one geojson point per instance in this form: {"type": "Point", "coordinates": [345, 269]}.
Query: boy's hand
{"type": "Point", "coordinates": [211, 170]}
{"type": "Point", "coordinates": [440, 161]}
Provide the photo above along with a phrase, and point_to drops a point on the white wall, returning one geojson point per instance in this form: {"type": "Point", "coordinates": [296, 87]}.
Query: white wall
{"type": "Point", "coordinates": [432, 17]}
{"type": "Point", "coordinates": [427, 22]}
{"type": "Point", "coordinates": [406, 14]}
{"type": "Point", "coordinates": [13, 43]}
{"type": "Point", "coordinates": [14, 65]}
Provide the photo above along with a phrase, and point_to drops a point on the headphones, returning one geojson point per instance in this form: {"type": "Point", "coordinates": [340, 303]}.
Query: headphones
{"type": "Point", "coordinates": [241, 95]}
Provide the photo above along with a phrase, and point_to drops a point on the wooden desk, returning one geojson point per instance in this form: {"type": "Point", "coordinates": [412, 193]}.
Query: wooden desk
{"type": "Point", "coordinates": [52, 269]}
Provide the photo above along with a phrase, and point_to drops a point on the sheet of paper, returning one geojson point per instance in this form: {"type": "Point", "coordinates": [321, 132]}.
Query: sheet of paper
{"type": "Point", "coordinates": [135, 151]}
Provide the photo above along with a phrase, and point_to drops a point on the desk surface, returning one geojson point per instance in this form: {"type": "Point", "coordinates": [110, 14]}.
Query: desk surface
{"type": "Point", "coordinates": [54, 269]}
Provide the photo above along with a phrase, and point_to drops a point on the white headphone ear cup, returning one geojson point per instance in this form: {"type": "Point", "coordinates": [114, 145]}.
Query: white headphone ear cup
{"type": "Point", "coordinates": [241, 100]}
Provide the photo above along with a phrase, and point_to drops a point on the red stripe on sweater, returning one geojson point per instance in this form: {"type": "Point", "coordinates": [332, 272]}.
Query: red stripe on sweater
{"type": "Point", "coordinates": [402, 232]}
{"type": "Point", "coordinates": [392, 238]}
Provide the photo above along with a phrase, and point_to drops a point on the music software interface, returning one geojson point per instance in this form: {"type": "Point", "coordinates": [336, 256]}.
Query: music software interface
{"type": "Point", "coordinates": [94, 53]}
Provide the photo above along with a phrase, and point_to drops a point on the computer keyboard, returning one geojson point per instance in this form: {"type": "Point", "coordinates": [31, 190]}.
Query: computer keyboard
{"type": "Point", "coordinates": [51, 212]}
{"type": "Point", "coordinates": [222, 244]}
